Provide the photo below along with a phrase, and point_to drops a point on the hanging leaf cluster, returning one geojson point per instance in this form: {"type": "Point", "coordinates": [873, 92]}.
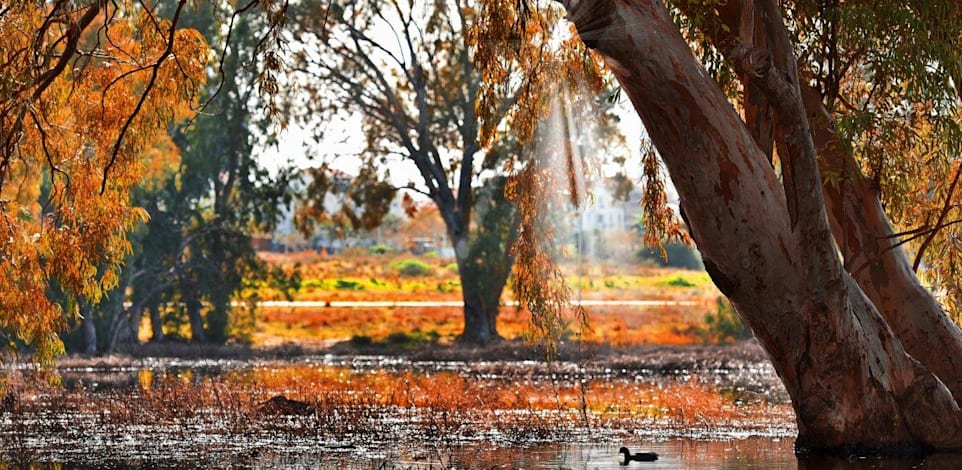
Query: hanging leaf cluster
{"type": "Point", "coordinates": [86, 94]}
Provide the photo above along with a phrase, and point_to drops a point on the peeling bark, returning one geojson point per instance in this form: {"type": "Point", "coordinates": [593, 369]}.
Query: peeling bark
{"type": "Point", "coordinates": [869, 247]}
{"type": "Point", "coordinates": [859, 224]}
{"type": "Point", "coordinates": [853, 386]}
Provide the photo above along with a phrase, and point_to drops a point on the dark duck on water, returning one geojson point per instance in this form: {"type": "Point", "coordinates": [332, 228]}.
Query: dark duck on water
{"type": "Point", "coordinates": [639, 457]}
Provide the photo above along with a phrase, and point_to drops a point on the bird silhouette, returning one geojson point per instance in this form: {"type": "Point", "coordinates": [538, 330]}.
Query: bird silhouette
{"type": "Point", "coordinates": [639, 457]}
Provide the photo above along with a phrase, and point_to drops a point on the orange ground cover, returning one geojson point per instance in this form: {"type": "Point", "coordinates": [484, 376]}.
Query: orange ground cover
{"type": "Point", "coordinates": [371, 278]}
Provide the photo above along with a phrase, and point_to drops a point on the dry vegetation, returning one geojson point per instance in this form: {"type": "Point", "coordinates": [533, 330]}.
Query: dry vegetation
{"type": "Point", "coordinates": [353, 405]}
{"type": "Point", "coordinates": [371, 278]}
{"type": "Point", "coordinates": [611, 385]}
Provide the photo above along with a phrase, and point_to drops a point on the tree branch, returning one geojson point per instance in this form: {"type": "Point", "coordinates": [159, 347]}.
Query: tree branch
{"type": "Point", "coordinates": [946, 207]}
{"type": "Point", "coordinates": [155, 70]}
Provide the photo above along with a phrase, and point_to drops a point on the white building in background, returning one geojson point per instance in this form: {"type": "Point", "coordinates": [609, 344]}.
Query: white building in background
{"type": "Point", "coordinates": [603, 219]}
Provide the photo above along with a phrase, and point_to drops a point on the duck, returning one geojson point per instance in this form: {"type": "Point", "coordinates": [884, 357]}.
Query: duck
{"type": "Point", "coordinates": [639, 457]}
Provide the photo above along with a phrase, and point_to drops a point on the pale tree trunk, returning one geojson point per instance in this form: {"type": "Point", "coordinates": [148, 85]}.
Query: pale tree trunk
{"type": "Point", "coordinates": [89, 329]}
{"type": "Point", "coordinates": [860, 226]}
{"type": "Point", "coordinates": [767, 247]}
{"type": "Point", "coordinates": [871, 254]}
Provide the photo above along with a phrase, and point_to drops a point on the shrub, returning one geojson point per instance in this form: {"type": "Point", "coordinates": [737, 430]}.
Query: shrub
{"type": "Point", "coordinates": [679, 256]}
{"type": "Point", "coordinates": [411, 267]}
{"type": "Point", "coordinates": [348, 284]}
{"type": "Point", "coordinates": [361, 340]}
{"type": "Point", "coordinates": [724, 325]}
{"type": "Point", "coordinates": [380, 249]}
{"type": "Point", "coordinates": [680, 281]}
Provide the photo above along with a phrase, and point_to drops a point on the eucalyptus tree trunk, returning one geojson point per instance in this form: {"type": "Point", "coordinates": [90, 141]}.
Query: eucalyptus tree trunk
{"type": "Point", "coordinates": [88, 328]}
{"type": "Point", "coordinates": [768, 244]}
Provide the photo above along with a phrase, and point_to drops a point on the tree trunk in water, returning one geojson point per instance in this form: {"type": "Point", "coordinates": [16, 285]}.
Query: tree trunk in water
{"type": "Point", "coordinates": [853, 386]}
{"type": "Point", "coordinates": [869, 248]}
{"type": "Point", "coordinates": [859, 224]}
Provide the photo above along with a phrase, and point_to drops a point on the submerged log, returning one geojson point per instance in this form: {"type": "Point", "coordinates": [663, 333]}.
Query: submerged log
{"type": "Point", "coordinates": [281, 405]}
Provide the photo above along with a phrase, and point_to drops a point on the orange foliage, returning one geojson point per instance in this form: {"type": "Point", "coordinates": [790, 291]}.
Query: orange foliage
{"type": "Point", "coordinates": [77, 135]}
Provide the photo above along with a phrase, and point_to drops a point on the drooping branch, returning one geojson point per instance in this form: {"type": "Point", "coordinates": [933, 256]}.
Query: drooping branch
{"type": "Point", "coordinates": [155, 71]}
{"type": "Point", "coordinates": [940, 222]}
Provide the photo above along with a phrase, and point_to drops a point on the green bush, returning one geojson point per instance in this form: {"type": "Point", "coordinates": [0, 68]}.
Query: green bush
{"type": "Point", "coordinates": [723, 326]}
{"type": "Point", "coordinates": [348, 284]}
{"type": "Point", "coordinates": [680, 281]}
{"type": "Point", "coordinates": [679, 256]}
{"type": "Point", "coordinates": [411, 267]}
{"type": "Point", "coordinates": [380, 249]}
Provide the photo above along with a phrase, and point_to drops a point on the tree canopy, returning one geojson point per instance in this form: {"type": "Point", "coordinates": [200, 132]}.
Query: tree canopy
{"type": "Point", "coordinates": [86, 93]}
{"type": "Point", "coordinates": [411, 71]}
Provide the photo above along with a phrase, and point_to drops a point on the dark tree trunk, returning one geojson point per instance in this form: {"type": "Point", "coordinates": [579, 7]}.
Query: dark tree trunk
{"type": "Point", "coordinates": [156, 324]}
{"type": "Point", "coordinates": [480, 318]}
{"type": "Point", "coordinates": [769, 247]}
{"type": "Point", "coordinates": [482, 299]}
{"type": "Point", "coordinates": [89, 330]}
{"type": "Point", "coordinates": [193, 305]}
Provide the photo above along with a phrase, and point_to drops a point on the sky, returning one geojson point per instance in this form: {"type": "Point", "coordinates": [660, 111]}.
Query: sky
{"type": "Point", "coordinates": [295, 145]}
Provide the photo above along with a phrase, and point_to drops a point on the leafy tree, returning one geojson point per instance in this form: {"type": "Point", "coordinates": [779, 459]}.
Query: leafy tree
{"type": "Point", "coordinates": [785, 200]}
{"type": "Point", "coordinates": [197, 255]}
{"type": "Point", "coordinates": [409, 70]}
{"type": "Point", "coordinates": [86, 89]}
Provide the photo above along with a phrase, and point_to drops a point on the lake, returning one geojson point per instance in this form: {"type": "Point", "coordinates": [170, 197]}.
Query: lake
{"type": "Point", "coordinates": [707, 409]}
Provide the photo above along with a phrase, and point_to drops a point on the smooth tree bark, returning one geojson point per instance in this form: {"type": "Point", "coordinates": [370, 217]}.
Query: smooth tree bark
{"type": "Point", "coordinates": [768, 244]}
{"type": "Point", "coordinates": [868, 245]}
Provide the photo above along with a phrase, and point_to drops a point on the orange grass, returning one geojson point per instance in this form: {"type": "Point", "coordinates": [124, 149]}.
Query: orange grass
{"type": "Point", "coordinates": [370, 277]}
{"type": "Point", "coordinates": [620, 326]}
{"type": "Point", "coordinates": [670, 403]}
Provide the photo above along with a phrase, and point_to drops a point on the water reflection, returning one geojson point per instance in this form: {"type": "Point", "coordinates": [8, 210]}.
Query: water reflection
{"type": "Point", "coordinates": [747, 453]}
{"type": "Point", "coordinates": [741, 453]}
{"type": "Point", "coordinates": [392, 437]}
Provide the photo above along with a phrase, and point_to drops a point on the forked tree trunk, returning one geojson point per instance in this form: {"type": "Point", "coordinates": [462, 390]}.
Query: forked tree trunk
{"type": "Point", "coordinates": [872, 255]}
{"type": "Point", "coordinates": [767, 247]}
{"type": "Point", "coordinates": [860, 226]}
